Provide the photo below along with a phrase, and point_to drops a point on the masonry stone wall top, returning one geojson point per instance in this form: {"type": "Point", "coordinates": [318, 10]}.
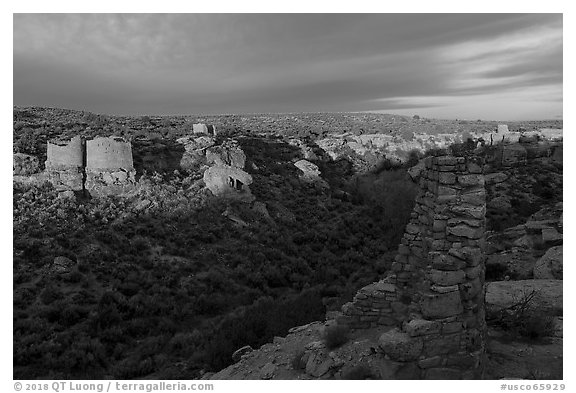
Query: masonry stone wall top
{"type": "Point", "coordinates": [62, 155]}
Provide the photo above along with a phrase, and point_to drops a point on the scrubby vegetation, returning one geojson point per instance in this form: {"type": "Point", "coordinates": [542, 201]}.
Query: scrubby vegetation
{"type": "Point", "coordinates": [165, 286]}
{"type": "Point", "coordinates": [522, 320]}
{"type": "Point", "coordinates": [335, 336]}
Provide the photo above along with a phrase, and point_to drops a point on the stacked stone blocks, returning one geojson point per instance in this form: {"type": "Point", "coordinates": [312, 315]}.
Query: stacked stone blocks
{"type": "Point", "coordinates": [109, 166]}
{"type": "Point", "coordinates": [100, 165]}
{"type": "Point", "coordinates": [65, 163]}
{"type": "Point", "coordinates": [433, 299]}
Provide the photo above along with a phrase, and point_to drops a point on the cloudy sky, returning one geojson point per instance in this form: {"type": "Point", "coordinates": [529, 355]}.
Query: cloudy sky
{"type": "Point", "coordinates": [468, 66]}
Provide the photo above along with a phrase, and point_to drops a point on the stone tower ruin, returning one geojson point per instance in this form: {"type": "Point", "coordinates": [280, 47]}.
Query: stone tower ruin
{"type": "Point", "coordinates": [101, 165]}
{"type": "Point", "coordinates": [431, 305]}
{"type": "Point", "coordinates": [109, 165]}
{"type": "Point", "coordinates": [65, 163]}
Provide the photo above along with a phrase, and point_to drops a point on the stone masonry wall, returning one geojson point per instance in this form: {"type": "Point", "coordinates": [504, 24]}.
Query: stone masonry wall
{"type": "Point", "coordinates": [66, 155]}
{"type": "Point", "coordinates": [432, 302]}
{"type": "Point", "coordinates": [109, 166]}
{"type": "Point", "coordinates": [107, 169]}
{"type": "Point", "coordinates": [109, 153]}
{"type": "Point", "coordinates": [64, 164]}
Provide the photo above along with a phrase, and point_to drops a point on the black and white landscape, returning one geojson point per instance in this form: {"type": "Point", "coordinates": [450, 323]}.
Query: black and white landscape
{"type": "Point", "coordinates": [287, 196]}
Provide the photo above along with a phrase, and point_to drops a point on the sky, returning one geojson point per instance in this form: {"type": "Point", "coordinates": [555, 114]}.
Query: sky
{"type": "Point", "coordinates": [466, 66]}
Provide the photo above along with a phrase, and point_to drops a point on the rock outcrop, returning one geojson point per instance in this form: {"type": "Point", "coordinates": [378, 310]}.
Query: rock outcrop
{"type": "Point", "coordinates": [550, 266]}
{"type": "Point", "coordinates": [194, 151]}
{"type": "Point", "coordinates": [548, 299]}
{"type": "Point", "coordinates": [229, 182]}
{"type": "Point", "coordinates": [310, 172]}
{"type": "Point", "coordinates": [228, 153]}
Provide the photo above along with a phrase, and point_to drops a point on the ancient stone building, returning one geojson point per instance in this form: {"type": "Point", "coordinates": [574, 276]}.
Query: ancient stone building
{"type": "Point", "coordinates": [101, 165]}
{"type": "Point", "coordinates": [109, 166]}
{"type": "Point", "coordinates": [65, 163]}
{"type": "Point", "coordinates": [199, 128]}
{"type": "Point", "coordinates": [204, 129]}
{"type": "Point", "coordinates": [431, 306]}
{"type": "Point", "coordinates": [228, 181]}
{"type": "Point", "coordinates": [108, 153]}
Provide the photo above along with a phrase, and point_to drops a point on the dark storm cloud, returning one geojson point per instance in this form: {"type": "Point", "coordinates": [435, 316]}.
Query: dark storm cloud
{"type": "Point", "coordinates": [269, 63]}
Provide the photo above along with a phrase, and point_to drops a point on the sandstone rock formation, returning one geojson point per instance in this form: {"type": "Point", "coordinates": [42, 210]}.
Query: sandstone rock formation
{"type": "Point", "coordinates": [306, 150]}
{"type": "Point", "coordinates": [24, 164]}
{"type": "Point", "coordinates": [237, 355]}
{"type": "Point", "coordinates": [502, 295]}
{"type": "Point", "coordinates": [228, 153]}
{"type": "Point", "coordinates": [194, 151]}
{"type": "Point", "coordinates": [229, 181]}
{"type": "Point", "coordinates": [550, 266]}
{"type": "Point", "coordinates": [311, 173]}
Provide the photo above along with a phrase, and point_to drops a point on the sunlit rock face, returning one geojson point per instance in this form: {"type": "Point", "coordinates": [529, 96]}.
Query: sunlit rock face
{"type": "Point", "coordinates": [229, 182]}
{"type": "Point", "coordinates": [228, 153]}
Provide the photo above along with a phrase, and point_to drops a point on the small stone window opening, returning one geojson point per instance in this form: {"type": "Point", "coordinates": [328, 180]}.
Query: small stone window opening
{"type": "Point", "coordinates": [239, 185]}
{"type": "Point", "coordinates": [231, 182]}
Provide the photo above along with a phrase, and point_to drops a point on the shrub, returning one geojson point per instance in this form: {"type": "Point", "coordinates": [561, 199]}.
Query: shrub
{"type": "Point", "coordinates": [335, 336]}
{"type": "Point", "coordinates": [50, 294]}
{"type": "Point", "coordinates": [357, 372]}
{"type": "Point", "coordinates": [536, 326]}
{"type": "Point", "coordinates": [521, 319]}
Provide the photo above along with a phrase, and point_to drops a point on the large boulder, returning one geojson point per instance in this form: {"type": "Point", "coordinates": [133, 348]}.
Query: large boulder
{"type": "Point", "coordinates": [228, 153]}
{"type": "Point", "coordinates": [550, 265]}
{"type": "Point", "coordinates": [24, 164]}
{"type": "Point", "coordinates": [310, 171]}
{"type": "Point", "coordinates": [548, 297]}
{"type": "Point", "coordinates": [228, 181]}
{"type": "Point", "coordinates": [62, 265]}
{"type": "Point", "coordinates": [194, 155]}
{"type": "Point", "coordinates": [237, 355]}
{"type": "Point", "coordinates": [400, 346]}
